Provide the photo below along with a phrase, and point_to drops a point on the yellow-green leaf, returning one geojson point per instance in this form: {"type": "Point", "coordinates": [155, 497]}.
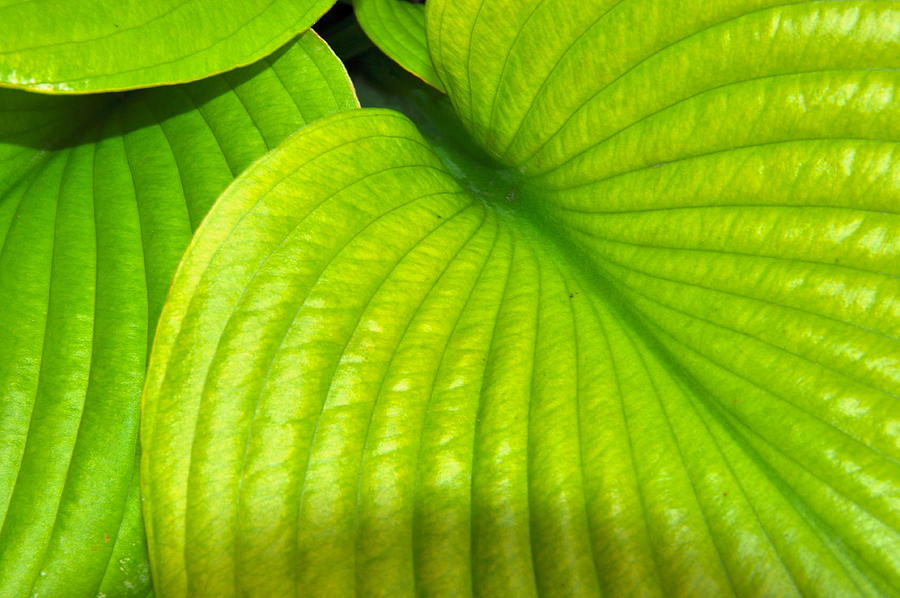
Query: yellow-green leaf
{"type": "Point", "coordinates": [664, 362]}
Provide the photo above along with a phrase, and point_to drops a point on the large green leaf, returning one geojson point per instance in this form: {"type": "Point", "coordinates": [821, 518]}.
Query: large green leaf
{"type": "Point", "coordinates": [80, 46]}
{"type": "Point", "coordinates": [398, 28]}
{"type": "Point", "coordinates": [664, 362]}
{"type": "Point", "coordinates": [100, 197]}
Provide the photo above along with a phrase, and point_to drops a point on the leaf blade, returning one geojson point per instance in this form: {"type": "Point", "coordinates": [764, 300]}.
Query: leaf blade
{"type": "Point", "coordinates": [398, 29]}
{"type": "Point", "coordinates": [687, 393]}
{"type": "Point", "coordinates": [408, 441]}
{"type": "Point", "coordinates": [97, 223]}
{"type": "Point", "coordinates": [83, 47]}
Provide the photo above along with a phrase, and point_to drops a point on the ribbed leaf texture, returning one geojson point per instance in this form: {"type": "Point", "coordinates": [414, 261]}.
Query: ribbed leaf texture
{"type": "Point", "coordinates": [664, 362]}
{"type": "Point", "coordinates": [102, 195]}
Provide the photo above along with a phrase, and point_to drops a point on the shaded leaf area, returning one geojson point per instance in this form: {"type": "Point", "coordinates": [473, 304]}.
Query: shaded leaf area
{"type": "Point", "coordinates": [83, 46]}
{"type": "Point", "coordinates": [381, 83]}
{"type": "Point", "coordinates": [397, 27]}
{"type": "Point", "coordinates": [100, 197]}
{"type": "Point", "coordinates": [669, 367]}
{"type": "Point", "coordinates": [341, 30]}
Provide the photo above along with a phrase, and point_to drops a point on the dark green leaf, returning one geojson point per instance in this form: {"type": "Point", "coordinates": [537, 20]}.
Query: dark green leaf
{"type": "Point", "coordinates": [398, 28]}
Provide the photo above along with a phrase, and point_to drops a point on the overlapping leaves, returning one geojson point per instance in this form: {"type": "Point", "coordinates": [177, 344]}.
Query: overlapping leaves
{"type": "Point", "coordinates": [398, 28]}
{"type": "Point", "coordinates": [665, 364]}
{"type": "Point", "coordinates": [99, 196]}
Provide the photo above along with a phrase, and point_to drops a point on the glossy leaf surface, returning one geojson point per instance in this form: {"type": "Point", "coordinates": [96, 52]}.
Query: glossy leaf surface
{"type": "Point", "coordinates": [665, 362]}
{"type": "Point", "coordinates": [398, 28]}
{"type": "Point", "coordinates": [82, 46]}
{"type": "Point", "coordinates": [100, 197]}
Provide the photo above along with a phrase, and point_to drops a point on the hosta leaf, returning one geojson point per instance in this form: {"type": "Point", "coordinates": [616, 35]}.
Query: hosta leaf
{"type": "Point", "coordinates": [381, 83]}
{"type": "Point", "coordinates": [523, 88]}
{"type": "Point", "coordinates": [398, 28]}
{"type": "Point", "coordinates": [101, 194]}
{"type": "Point", "coordinates": [665, 362]}
{"type": "Point", "coordinates": [81, 46]}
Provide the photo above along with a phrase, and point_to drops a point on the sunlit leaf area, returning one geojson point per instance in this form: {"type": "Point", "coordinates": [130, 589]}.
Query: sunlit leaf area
{"type": "Point", "coordinates": [449, 298]}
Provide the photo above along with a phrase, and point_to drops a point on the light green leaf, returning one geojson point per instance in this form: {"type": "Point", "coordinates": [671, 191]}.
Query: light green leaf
{"type": "Point", "coordinates": [665, 362]}
{"type": "Point", "coordinates": [398, 28]}
{"type": "Point", "coordinates": [100, 198]}
{"type": "Point", "coordinates": [523, 87]}
{"type": "Point", "coordinates": [82, 46]}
